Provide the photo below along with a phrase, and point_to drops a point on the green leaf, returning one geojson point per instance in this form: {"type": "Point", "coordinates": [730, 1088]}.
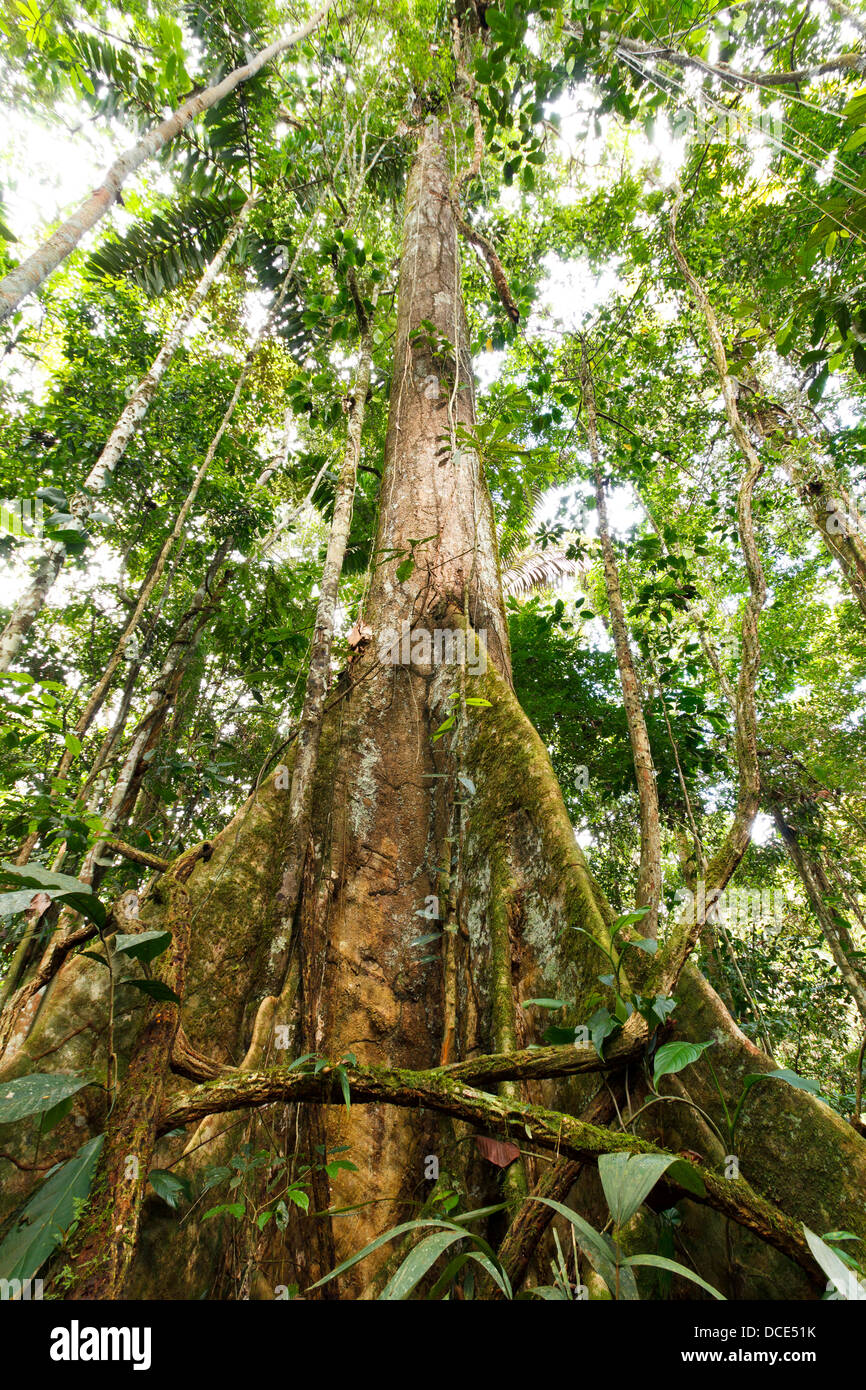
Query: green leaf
{"type": "Point", "coordinates": [816, 390]}
{"type": "Point", "coordinates": [235, 1209]}
{"type": "Point", "coordinates": [558, 1037]}
{"type": "Point", "coordinates": [844, 1281]}
{"type": "Point", "coordinates": [446, 1278]}
{"type": "Point", "coordinates": [169, 1186]}
{"type": "Point", "coordinates": [13, 903]}
{"type": "Point", "coordinates": [627, 1179]}
{"type": "Point", "coordinates": [88, 905]}
{"type": "Point", "coordinates": [94, 955]}
{"type": "Point", "coordinates": [674, 1056]}
{"type": "Point", "coordinates": [345, 1088]}
{"type": "Point", "coordinates": [661, 1262]}
{"type": "Point", "coordinates": [425, 940]}
{"type": "Point", "coordinates": [800, 1083]}
{"type": "Point", "coordinates": [155, 989]}
{"type": "Point", "coordinates": [31, 1095]}
{"type": "Point", "coordinates": [33, 875]}
{"type": "Point", "coordinates": [146, 945]}
{"type": "Point", "coordinates": [49, 1214]}
{"type": "Point", "coordinates": [686, 1175]}
{"type": "Point", "coordinates": [73, 744]}
{"type": "Point", "coordinates": [404, 569]}
{"type": "Point", "coordinates": [394, 1232]}
{"type": "Point", "coordinates": [214, 1176]}
{"type": "Point", "coordinates": [599, 1249]}
{"type": "Point", "coordinates": [545, 1003]}
{"type": "Point", "coordinates": [601, 1025]}
{"type": "Point", "coordinates": [628, 919]}
{"type": "Point", "coordinates": [417, 1262]}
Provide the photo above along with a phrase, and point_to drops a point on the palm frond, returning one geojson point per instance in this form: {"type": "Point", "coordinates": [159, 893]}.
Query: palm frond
{"type": "Point", "coordinates": [537, 570]}
{"type": "Point", "coordinates": [161, 252]}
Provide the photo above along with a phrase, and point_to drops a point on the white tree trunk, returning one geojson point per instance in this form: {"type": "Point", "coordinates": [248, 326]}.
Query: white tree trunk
{"type": "Point", "coordinates": [30, 274]}
{"type": "Point", "coordinates": [31, 603]}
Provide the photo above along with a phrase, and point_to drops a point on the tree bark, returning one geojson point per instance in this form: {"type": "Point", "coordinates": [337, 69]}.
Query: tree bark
{"type": "Point", "coordinates": [310, 723]}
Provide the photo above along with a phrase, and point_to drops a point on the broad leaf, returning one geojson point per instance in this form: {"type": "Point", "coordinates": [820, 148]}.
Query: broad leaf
{"type": "Point", "coordinates": [171, 1188]}
{"type": "Point", "coordinates": [50, 1212]}
{"type": "Point", "coordinates": [31, 1095]}
{"type": "Point", "coordinates": [628, 1179]}
{"type": "Point", "coordinates": [844, 1281]}
{"type": "Point", "coordinates": [33, 875]}
{"type": "Point", "coordinates": [674, 1056]}
{"type": "Point", "coordinates": [155, 989]}
{"type": "Point", "coordinates": [145, 945]}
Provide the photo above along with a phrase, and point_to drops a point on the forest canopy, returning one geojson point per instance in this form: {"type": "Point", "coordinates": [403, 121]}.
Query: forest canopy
{"type": "Point", "coordinates": [433, 653]}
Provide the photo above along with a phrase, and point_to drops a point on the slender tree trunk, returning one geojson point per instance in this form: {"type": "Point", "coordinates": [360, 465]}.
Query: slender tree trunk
{"type": "Point", "coordinates": [736, 842]}
{"type": "Point", "coordinates": [818, 890]}
{"type": "Point", "coordinates": [31, 603]}
{"type": "Point", "coordinates": [150, 726]}
{"type": "Point", "coordinates": [650, 872]}
{"type": "Point", "coordinates": [28, 276]}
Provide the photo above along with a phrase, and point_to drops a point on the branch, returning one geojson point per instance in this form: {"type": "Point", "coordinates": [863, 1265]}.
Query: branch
{"type": "Point", "coordinates": [30, 274]}
{"type": "Point", "coordinates": [138, 856]}
{"type": "Point", "coordinates": [548, 1129]}
{"type": "Point", "coordinates": [475, 238]}
{"type": "Point", "coordinates": [837, 62]}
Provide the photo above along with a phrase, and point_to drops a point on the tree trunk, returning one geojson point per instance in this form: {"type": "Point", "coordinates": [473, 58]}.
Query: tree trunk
{"type": "Point", "coordinates": [650, 872]}
{"type": "Point", "coordinates": [383, 817]}
{"type": "Point", "coordinates": [818, 891]}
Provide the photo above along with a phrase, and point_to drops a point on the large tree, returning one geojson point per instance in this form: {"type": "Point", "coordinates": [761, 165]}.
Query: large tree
{"type": "Point", "coordinates": [343, 982]}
